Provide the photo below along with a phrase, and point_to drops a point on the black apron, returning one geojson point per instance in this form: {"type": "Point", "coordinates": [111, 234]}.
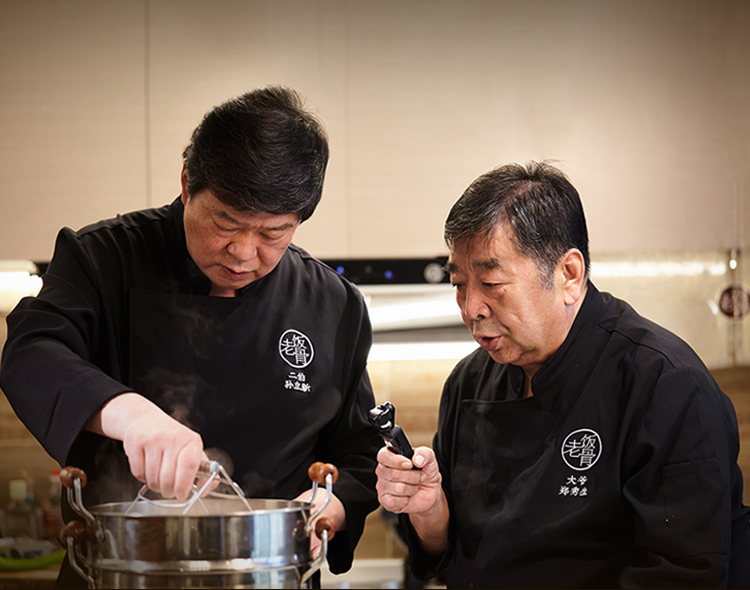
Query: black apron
{"type": "Point", "coordinates": [515, 479]}
{"type": "Point", "coordinates": [499, 443]}
{"type": "Point", "coordinates": [254, 384]}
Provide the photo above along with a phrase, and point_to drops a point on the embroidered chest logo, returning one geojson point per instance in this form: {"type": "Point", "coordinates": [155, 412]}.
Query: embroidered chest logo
{"type": "Point", "coordinates": [581, 449]}
{"type": "Point", "coordinates": [296, 349]}
{"type": "Point", "coordinates": [574, 486]}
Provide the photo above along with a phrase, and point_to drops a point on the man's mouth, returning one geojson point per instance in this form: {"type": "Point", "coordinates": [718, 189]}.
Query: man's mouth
{"type": "Point", "coordinates": [234, 274]}
{"type": "Point", "coordinates": [487, 342]}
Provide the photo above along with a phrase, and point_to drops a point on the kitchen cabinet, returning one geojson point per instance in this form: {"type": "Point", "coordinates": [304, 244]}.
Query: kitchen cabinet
{"type": "Point", "coordinates": [643, 105]}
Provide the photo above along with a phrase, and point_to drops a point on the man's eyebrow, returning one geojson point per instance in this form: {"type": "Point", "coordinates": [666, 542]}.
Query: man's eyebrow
{"type": "Point", "coordinates": [488, 264]}
{"type": "Point", "coordinates": [226, 216]}
{"type": "Point", "coordinates": [283, 227]}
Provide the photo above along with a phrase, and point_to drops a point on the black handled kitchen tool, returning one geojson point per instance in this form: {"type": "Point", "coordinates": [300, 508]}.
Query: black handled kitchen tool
{"type": "Point", "coordinates": [383, 416]}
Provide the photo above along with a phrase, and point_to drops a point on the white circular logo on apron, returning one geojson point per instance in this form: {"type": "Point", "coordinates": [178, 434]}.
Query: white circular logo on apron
{"type": "Point", "coordinates": [581, 449]}
{"type": "Point", "coordinates": [296, 349]}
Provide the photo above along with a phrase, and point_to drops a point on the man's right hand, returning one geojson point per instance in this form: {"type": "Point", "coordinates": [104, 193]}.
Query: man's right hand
{"type": "Point", "coordinates": [401, 488]}
{"type": "Point", "coordinates": [162, 452]}
{"type": "Point", "coordinates": [417, 492]}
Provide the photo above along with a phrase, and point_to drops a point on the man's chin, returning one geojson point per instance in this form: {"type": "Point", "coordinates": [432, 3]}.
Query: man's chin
{"type": "Point", "coordinates": [504, 356]}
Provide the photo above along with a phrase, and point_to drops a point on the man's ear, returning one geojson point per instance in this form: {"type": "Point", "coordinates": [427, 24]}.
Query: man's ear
{"type": "Point", "coordinates": [573, 268]}
{"type": "Point", "coordinates": [183, 182]}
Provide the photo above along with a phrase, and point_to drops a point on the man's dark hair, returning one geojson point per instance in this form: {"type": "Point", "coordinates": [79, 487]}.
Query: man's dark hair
{"type": "Point", "coordinates": [540, 205]}
{"type": "Point", "coordinates": [260, 152]}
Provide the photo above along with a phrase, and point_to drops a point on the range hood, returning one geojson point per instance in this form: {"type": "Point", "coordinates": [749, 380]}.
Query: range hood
{"type": "Point", "coordinates": [403, 293]}
{"type": "Point", "coordinates": [412, 307]}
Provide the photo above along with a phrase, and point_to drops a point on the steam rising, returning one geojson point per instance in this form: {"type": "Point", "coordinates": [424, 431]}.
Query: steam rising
{"type": "Point", "coordinates": [175, 393]}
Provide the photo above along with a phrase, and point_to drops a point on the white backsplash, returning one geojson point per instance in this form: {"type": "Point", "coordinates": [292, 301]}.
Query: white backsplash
{"type": "Point", "coordinates": [681, 292]}
{"type": "Point", "coordinates": [678, 291]}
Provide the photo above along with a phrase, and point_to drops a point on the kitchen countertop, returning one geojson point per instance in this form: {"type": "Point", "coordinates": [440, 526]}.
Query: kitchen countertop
{"type": "Point", "coordinates": [30, 579]}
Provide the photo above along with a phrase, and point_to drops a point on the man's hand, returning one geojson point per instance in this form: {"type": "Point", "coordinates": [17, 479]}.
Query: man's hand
{"type": "Point", "coordinates": [162, 453]}
{"type": "Point", "coordinates": [404, 489]}
{"type": "Point", "coordinates": [335, 511]}
{"type": "Point", "coordinates": [417, 492]}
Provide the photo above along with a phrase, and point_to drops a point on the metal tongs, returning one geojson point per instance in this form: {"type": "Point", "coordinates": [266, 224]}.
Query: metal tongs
{"type": "Point", "coordinates": [214, 470]}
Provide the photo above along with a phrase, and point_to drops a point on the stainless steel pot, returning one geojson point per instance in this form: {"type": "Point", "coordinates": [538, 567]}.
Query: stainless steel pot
{"type": "Point", "coordinates": [208, 542]}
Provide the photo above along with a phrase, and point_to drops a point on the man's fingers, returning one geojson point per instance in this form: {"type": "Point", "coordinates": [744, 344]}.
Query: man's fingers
{"type": "Point", "coordinates": [388, 474]}
{"type": "Point", "coordinates": [315, 543]}
{"type": "Point", "coordinates": [137, 462]}
{"type": "Point", "coordinates": [395, 504]}
{"type": "Point", "coordinates": [153, 460]}
{"type": "Point", "coordinates": [424, 457]}
{"type": "Point", "coordinates": [394, 460]}
{"type": "Point", "coordinates": [396, 488]}
{"type": "Point", "coordinates": [186, 470]}
{"type": "Point", "coordinates": [163, 453]}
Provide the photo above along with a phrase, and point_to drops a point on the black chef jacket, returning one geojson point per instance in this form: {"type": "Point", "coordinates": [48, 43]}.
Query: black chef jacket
{"type": "Point", "coordinates": [620, 471]}
{"type": "Point", "coordinates": [273, 379]}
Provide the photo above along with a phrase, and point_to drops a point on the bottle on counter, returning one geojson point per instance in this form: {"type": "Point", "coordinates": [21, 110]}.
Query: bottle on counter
{"type": "Point", "coordinates": [52, 520]}
{"type": "Point", "coordinates": [19, 515]}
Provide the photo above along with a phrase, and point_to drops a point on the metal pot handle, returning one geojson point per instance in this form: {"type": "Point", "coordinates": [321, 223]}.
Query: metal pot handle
{"type": "Point", "coordinates": [325, 528]}
{"type": "Point", "coordinates": [322, 473]}
{"type": "Point", "coordinates": [77, 532]}
{"type": "Point", "coordinates": [75, 480]}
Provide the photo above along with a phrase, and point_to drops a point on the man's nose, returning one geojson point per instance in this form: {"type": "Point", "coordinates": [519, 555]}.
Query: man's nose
{"type": "Point", "coordinates": [243, 248]}
{"type": "Point", "coordinates": [475, 305]}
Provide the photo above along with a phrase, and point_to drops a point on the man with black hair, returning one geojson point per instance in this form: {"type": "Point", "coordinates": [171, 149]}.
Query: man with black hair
{"type": "Point", "coordinates": [165, 337]}
{"type": "Point", "coordinates": [581, 445]}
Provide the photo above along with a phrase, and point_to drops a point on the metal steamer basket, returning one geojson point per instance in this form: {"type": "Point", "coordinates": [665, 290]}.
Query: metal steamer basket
{"type": "Point", "coordinates": [210, 540]}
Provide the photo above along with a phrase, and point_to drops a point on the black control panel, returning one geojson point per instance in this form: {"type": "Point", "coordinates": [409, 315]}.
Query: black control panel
{"type": "Point", "coordinates": [398, 271]}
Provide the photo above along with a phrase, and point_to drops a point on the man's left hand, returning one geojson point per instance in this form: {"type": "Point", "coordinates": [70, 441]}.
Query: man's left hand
{"type": "Point", "coordinates": [335, 511]}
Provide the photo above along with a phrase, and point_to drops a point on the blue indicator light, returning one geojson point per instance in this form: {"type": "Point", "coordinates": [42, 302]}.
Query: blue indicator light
{"type": "Point", "coordinates": [389, 274]}
{"type": "Point", "coordinates": [340, 270]}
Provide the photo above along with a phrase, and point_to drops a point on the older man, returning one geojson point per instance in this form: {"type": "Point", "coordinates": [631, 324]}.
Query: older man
{"type": "Point", "coordinates": [198, 330]}
{"type": "Point", "coordinates": [581, 445]}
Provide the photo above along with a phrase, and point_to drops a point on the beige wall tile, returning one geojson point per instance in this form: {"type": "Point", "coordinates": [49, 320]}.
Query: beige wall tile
{"type": "Point", "coordinates": [419, 98]}
{"type": "Point", "coordinates": [73, 144]}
